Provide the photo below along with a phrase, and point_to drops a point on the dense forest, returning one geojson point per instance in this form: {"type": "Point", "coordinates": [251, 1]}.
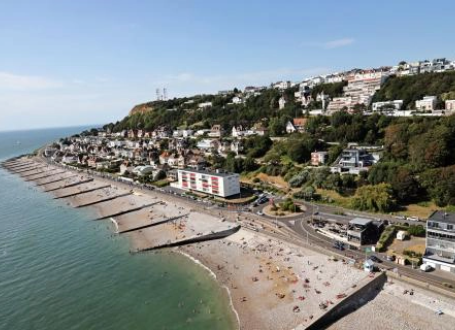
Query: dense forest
{"type": "Point", "coordinates": [418, 161]}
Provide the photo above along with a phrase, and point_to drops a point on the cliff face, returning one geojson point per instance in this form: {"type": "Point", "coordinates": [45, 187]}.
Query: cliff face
{"type": "Point", "coordinates": [141, 108]}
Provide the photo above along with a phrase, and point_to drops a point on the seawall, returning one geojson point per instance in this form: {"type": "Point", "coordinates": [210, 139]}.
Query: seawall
{"type": "Point", "coordinates": [363, 292]}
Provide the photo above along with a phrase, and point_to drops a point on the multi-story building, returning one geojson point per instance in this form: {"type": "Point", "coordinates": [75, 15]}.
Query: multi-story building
{"type": "Point", "coordinates": [216, 131]}
{"type": "Point", "coordinates": [363, 231]}
{"type": "Point", "coordinates": [281, 85]}
{"type": "Point", "coordinates": [389, 105]}
{"type": "Point", "coordinates": [440, 241]}
{"type": "Point", "coordinates": [428, 103]}
{"type": "Point", "coordinates": [218, 183]}
{"type": "Point", "coordinates": [334, 78]}
{"type": "Point", "coordinates": [355, 158]}
{"type": "Point", "coordinates": [204, 105]}
{"type": "Point", "coordinates": [450, 105]}
{"type": "Point", "coordinates": [346, 103]}
{"type": "Point", "coordinates": [354, 161]}
{"type": "Point", "coordinates": [319, 158]}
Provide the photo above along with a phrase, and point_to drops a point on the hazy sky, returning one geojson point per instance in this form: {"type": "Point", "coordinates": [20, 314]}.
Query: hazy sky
{"type": "Point", "coordinates": [75, 62]}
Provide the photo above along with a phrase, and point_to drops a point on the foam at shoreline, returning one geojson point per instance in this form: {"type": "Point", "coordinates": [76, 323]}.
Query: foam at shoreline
{"type": "Point", "coordinates": [212, 273]}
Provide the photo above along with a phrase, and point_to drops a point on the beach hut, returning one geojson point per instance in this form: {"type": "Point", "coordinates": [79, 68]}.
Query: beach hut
{"type": "Point", "coordinates": [402, 235]}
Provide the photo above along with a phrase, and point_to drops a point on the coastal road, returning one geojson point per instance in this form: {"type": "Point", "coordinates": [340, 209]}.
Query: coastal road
{"type": "Point", "coordinates": [296, 230]}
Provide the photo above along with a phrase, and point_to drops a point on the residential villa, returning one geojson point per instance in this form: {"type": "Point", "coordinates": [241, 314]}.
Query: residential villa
{"type": "Point", "coordinates": [319, 158]}
{"type": "Point", "coordinates": [428, 103]}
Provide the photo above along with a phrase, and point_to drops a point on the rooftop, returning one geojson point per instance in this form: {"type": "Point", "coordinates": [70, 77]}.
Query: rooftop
{"type": "Point", "coordinates": [221, 174]}
{"type": "Point", "coordinates": [360, 221]}
{"type": "Point", "coordinates": [441, 216]}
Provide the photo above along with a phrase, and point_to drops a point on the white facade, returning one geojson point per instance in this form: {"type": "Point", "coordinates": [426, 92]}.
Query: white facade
{"type": "Point", "coordinates": [143, 170]}
{"type": "Point", "coordinates": [219, 184]}
{"type": "Point", "coordinates": [319, 157]}
{"type": "Point", "coordinates": [394, 105]}
{"type": "Point", "coordinates": [282, 85]}
{"type": "Point", "coordinates": [281, 103]}
{"type": "Point", "coordinates": [237, 100]}
{"type": "Point", "coordinates": [334, 78]}
{"type": "Point", "coordinates": [428, 103]}
{"type": "Point", "coordinates": [205, 105]}
{"type": "Point", "coordinates": [290, 128]}
{"type": "Point", "coordinates": [450, 105]}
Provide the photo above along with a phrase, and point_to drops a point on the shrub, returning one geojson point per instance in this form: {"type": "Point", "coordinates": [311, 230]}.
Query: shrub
{"type": "Point", "coordinates": [385, 239]}
{"type": "Point", "coordinates": [416, 230]}
{"type": "Point", "coordinates": [412, 254]}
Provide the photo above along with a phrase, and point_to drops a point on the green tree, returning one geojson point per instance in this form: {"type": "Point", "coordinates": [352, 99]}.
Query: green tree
{"type": "Point", "coordinates": [376, 198]}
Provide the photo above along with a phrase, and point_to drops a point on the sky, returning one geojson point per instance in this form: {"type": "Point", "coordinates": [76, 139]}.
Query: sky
{"type": "Point", "coordinates": [69, 63]}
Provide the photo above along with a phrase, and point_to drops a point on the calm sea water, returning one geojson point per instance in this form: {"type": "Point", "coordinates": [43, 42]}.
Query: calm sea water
{"type": "Point", "coordinates": [60, 270]}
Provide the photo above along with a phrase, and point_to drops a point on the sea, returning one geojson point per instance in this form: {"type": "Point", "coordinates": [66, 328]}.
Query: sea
{"type": "Point", "coordinates": [60, 270]}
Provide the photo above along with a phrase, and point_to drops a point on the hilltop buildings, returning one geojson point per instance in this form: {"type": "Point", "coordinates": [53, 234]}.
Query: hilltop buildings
{"type": "Point", "coordinates": [360, 89]}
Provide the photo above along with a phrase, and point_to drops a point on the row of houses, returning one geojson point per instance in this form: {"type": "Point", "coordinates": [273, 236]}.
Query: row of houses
{"type": "Point", "coordinates": [427, 103]}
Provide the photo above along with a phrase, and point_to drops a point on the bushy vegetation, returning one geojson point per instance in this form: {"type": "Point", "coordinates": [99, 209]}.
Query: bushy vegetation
{"type": "Point", "coordinates": [418, 161]}
{"type": "Point", "coordinates": [386, 238]}
{"type": "Point", "coordinates": [289, 206]}
{"type": "Point", "coordinates": [377, 198]}
{"type": "Point", "coordinates": [416, 230]}
{"type": "Point", "coordinates": [413, 88]}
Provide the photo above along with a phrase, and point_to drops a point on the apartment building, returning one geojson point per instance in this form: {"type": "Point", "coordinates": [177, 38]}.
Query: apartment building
{"type": "Point", "coordinates": [389, 105]}
{"type": "Point", "coordinates": [440, 241]}
{"type": "Point", "coordinates": [217, 183]}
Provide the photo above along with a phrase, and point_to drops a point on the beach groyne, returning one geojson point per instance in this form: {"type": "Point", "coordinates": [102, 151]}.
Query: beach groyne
{"type": "Point", "coordinates": [82, 192]}
{"type": "Point", "coordinates": [134, 209]}
{"type": "Point", "coordinates": [106, 199]}
{"type": "Point", "coordinates": [194, 239]}
{"type": "Point", "coordinates": [156, 223]}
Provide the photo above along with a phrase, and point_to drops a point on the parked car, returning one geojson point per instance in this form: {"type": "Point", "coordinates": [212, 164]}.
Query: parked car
{"type": "Point", "coordinates": [425, 267]}
{"type": "Point", "coordinates": [262, 200]}
{"type": "Point", "coordinates": [338, 245]}
{"type": "Point", "coordinates": [413, 219]}
{"type": "Point", "coordinates": [260, 213]}
{"type": "Point", "coordinates": [390, 258]}
{"type": "Point", "coordinates": [374, 258]}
